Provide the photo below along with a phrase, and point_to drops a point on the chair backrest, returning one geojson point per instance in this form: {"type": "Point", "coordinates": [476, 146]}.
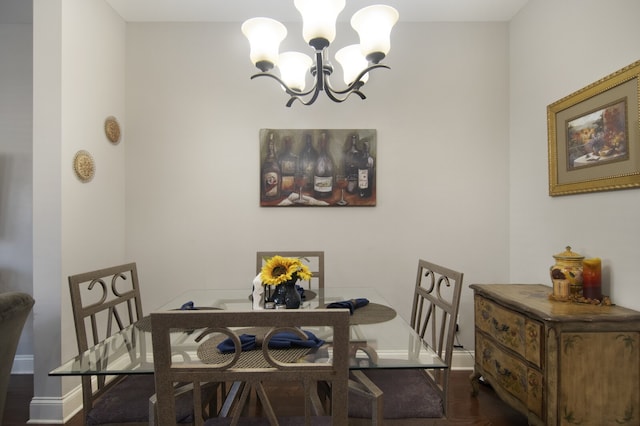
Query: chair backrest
{"type": "Point", "coordinates": [434, 314]}
{"type": "Point", "coordinates": [103, 302]}
{"type": "Point", "coordinates": [313, 259]}
{"type": "Point", "coordinates": [14, 310]}
{"type": "Point", "coordinates": [179, 364]}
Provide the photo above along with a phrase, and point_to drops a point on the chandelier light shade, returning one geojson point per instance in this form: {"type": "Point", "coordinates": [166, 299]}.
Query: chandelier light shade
{"type": "Point", "coordinates": [319, 20]}
{"type": "Point", "coordinates": [373, 24]}
{"type": "Point", "coordinates": [293, 69]}
{"type": "Point", "coordinates": [265, 36]}
{"type": "Point", "coordinates": [353, 62]}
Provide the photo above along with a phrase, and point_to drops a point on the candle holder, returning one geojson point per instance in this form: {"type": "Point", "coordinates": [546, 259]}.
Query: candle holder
{"type": "Point", "coordinates": [592, 279]}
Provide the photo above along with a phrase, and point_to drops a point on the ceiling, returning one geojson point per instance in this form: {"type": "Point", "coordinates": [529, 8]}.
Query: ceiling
{"type": "Point", "coordinates": [283, 10]}
{"type": "Point", "coordinates": [20, 11]}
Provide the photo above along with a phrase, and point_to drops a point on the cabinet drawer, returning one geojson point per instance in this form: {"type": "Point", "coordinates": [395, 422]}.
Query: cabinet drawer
{"type": "Point", "coordinates": [511, 329]}
{"type": "Point", "coordinates": [511, 373]}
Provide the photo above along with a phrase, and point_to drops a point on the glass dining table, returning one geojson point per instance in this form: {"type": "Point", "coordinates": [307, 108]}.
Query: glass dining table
{"type": "Point", "coordinates": [379, 337]}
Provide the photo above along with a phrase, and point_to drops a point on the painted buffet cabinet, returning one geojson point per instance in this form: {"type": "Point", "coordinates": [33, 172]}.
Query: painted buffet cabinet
{"type": "Point", "coordinates": [559, 363]}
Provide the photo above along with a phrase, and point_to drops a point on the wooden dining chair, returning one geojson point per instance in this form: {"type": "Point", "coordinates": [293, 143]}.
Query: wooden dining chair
{"type": "Point", "coordinates": [410, 396]}
{"type": "Point", "coordinates": [313, 259]}
{"type": "Point", "coordinates": [104, 302]}
{"type": "Point", "coordinates": [257, 368]}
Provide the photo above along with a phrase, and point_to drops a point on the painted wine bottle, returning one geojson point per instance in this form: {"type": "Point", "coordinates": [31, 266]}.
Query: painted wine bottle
{"type": "Point", "coordinates": [270, 172]}
{"type": "Point", "coordinates": [324, 170]}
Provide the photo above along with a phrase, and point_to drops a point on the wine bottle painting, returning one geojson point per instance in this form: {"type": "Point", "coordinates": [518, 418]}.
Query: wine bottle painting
{"type": "Point", "coordinates": [318, 167]}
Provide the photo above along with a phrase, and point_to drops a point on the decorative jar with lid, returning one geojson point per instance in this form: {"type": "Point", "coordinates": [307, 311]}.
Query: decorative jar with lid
{"type": "Point", "coordinates": [566, 275]}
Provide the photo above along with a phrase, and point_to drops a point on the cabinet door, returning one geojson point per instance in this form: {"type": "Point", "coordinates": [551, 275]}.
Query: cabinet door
{"type": "Point", "coordinates": [600, 375]}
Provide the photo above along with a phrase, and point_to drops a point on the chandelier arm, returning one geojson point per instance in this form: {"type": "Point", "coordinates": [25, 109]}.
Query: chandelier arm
{"type": "Point", "coordinates": [284, 86]}
{"type": "Point", "coordinates": [322, 84]}
{"type": "Point", "coordinates": [308, 102]}
{"type": "Point", "coordinates": [357, 82]}
{"type": "Point", "coordinates": [334, 98]}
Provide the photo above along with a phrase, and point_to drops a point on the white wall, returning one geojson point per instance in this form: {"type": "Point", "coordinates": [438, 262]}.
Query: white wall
{"type": "Point", "coordinates": [193, 117]}
{"type": "Point", "coordinates": [557, 48]}
{"type": "Point", "coordinates": [79, 70]}
{"type": "Point", "coordinates": [16, 69]}
{"type": "Point", "coordinates": [462, 163]}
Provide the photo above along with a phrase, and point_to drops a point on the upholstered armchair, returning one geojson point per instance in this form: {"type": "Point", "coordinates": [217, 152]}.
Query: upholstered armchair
{"type": "Point", "coordinates": [14, 310]}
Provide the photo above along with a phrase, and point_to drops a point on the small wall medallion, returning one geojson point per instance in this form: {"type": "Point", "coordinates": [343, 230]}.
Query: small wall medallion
{"type": "Point", "coordinates": [84, 166]}
{"type": "Point", "coordinates": [112, 130]}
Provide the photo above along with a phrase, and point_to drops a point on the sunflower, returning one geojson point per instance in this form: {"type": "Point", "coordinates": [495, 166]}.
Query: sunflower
{"type": "Point", "coordinates": [278, 270]}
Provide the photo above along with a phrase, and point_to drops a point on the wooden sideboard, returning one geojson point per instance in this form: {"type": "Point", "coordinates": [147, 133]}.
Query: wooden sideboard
{"type": "Point", "coordinates": [559, 363]}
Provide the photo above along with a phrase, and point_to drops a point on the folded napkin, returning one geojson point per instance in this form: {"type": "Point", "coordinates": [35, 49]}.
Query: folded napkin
{"type": "Point", "coordinates": [187, 306]}
{"type": "Point", "coordinates": [351, 304]}
{"type": "Point", "coordinates": [282, 340]}
{"type": "Point", "coordinates": [248, 342]}
{"type": "Point", "coordinates": [301, 291]}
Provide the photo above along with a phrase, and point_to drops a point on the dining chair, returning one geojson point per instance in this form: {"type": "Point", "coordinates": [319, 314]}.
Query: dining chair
{"type": "Point", "coordinates": [104, 302]}
{"type": "Point", "coordinates": [313, 259]}
{"type": "Point", "coordinates": [14, 310]}
{"type": "Point", "coordinates": [258, 368]}
{"type": "Point", "coordinates": [410, 396]}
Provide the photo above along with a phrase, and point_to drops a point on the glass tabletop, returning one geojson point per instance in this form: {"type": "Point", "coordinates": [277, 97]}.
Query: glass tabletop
{"type": "Point", "coordinates": [379, 337]}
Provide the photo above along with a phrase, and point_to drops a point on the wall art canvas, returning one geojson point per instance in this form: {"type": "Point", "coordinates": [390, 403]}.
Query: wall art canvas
{"type": "Point", "coordinates": [318, 167]}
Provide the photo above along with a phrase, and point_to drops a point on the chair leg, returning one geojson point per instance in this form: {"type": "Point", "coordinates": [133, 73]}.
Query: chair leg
{"type": "Point", "coordinates": [362, 385]}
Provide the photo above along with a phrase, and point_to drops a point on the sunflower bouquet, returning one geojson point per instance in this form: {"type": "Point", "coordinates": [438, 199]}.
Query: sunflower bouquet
{"type": "Point", "coordinates": [278, 270]}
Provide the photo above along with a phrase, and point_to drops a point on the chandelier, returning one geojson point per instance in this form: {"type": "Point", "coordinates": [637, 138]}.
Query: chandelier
{"type": "Point", "coordinates": [373, 24]}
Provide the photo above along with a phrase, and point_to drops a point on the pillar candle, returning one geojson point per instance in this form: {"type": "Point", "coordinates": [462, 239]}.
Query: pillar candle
{"type": "Point", "coordinates": [592, 278]}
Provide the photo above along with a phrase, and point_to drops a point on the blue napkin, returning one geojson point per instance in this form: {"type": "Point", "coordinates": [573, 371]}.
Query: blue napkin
{"type": "Point", "coordinates": [301, 291]}
{"type": "Point", "coordinates": [282, 340]}
{"type": "Point", "coordinates": [187, 306]}
{"type": "Point", "coordinates": [351, 304]}
{"type": "Point", "coordinates": [248, 342]}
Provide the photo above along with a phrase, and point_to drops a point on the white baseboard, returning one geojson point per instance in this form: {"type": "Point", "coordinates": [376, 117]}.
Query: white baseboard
{"type": "Point", "coordinates": [462, 359]}
{"type": "Point", "coordinates": [49, 410]}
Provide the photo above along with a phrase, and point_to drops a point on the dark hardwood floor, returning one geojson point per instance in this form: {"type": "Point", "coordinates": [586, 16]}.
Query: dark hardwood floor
{"type": "Point", "coordinates": [487, 409]}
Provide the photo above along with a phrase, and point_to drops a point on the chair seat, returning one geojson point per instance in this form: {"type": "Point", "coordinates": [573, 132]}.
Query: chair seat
{"type": "Point", "coordinates": [128, 402]}
{"type": "Point", "coordinates": [406, 394]}
{"type": "Point", "coordinates": [260, 421]}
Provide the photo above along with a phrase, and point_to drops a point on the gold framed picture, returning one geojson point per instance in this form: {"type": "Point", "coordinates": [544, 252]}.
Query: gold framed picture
{"type": "Point", "coordinates": [594, 136]}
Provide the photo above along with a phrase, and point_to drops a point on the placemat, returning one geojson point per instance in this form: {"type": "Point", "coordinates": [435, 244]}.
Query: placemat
{"type": "Point", "coordinates": [145, 323]}
{"type": "Point", "coordinates": [370, 314]}
{"type": "Point", "coordinates": [209, 354]}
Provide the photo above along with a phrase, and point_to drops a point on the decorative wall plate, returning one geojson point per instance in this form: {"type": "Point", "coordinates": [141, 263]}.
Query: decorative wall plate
{"type": "Point", "coordinates": [112, 130]}
{"type": "Point", "coordinates": [84, 166]}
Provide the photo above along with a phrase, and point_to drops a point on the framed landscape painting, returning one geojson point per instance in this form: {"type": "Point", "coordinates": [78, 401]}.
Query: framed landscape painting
{"type": "Point", "coordinates": [318, 167]}
{"type": "Point", "coordinates": [594, 136]}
